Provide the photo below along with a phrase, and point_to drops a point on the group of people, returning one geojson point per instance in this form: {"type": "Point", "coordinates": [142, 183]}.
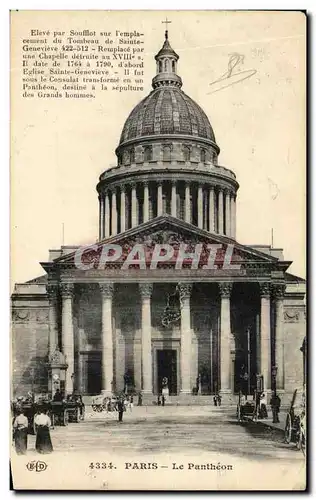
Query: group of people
{"type": "Point", "coordinates": [42, 424]}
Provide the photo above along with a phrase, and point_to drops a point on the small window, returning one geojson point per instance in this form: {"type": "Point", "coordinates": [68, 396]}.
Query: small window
{"type": "Point", "coordinates": [186, 153]}
{"type": "Point", "coordinates": [132, 155]}
{"type": "Point", "coordinates": [203, 155]}
{"type": "Point", "coordinates": [160, 66]}
{"type": "Point", "coordinates": [173, 66]}
{"type": "Point", "coordinates": [126, 158]}
{"type": "Point", "coordinates": [148, 153]}
{"type": "Point", "coordinates": [166, 153]}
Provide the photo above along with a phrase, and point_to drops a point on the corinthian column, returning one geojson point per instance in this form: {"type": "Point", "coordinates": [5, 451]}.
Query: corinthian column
{"type": "Point", "coordinates": [67, 331]}
{"type": "Point", "coordinates": [106, 216]}
{"type": "Point", "coordinates": [187, 203]}
{"type": "Point", "coordinates": [265, 335]}
{"type": "Point", "coordinates": [186, 341]}
{"type": "Point", "coordinates": [123, 209]}
{"type": "Point", "coordinates": [101, 216]}
{"type": "Point", "coordinates": [225, 335]}
{"type": "Point", "coordinates": [159, 199]}
{"type": "Point", "coordinates": [146, 201]}
{"type": "Point", "coordinates": [134, 206]}
{"type": "Point", "coordinates": [146, 291]}
{"type": "Point", "coordinates": [227, 214]}
{"type": "Point", "coordinates": [211, 209]}
{"type": "Point", "coordinates": [114, 214]}
{"type": "Point", "coordinates": [174, 199]}
{"type": "Point", "coordinates": [52, 318]}
{"type": "Point", "coordinates": [233, 216]}
{"type": "Point", "coordinates": [200, 206]}
{"type": "Point", "coordinates": [220, 212]}
{"type": "Point", "coordinates": [278, 292]}
{"type": "Point", "coordinates": [107, 337]}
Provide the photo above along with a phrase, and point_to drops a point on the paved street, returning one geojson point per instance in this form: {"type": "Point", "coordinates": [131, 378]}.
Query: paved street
{"type": "Point", "coordinates": [159, 430]}
{"type": "Point", "coordinates": [185, 443]}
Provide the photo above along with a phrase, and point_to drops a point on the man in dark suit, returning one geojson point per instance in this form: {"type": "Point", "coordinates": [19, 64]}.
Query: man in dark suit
{"type": "Point", "coordinates": [120, 409]}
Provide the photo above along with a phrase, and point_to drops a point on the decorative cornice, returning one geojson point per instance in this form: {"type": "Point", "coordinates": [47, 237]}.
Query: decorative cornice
{"type": "Point", "coordinates": [145, 289]}
{"type": "Point", "coordinates": [225, 289]}
{"type": "Point", "coordinates": [67, 290]}
{"type": "Point", "coordinates": [106, 289]}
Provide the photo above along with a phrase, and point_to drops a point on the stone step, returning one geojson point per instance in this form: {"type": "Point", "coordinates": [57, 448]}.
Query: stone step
{"type": "Point", "coordinates": [178, 400]}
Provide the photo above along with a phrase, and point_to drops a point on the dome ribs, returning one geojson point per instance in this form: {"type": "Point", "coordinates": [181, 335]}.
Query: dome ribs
{"type": "Point", "coordinates": [166, 124]}
{"type": "Point", "coordinates": [193, 117]}
{"type": "Point", "coordinates": [148, 119]}
{"type": "Point", "coordinates": [175, 113]}
{"type": "Point", "coordinates": [157, 116]}
{"type": "Point", "coordinates": [184, 118]}
{"type": "Point", "coordinates": [167, 110]}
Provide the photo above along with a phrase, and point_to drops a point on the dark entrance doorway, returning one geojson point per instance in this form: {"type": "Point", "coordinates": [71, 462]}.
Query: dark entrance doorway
{"type": "Point", "coordinates": [94, 375]}
{"type": "Point", "coordinates": [167, 367]}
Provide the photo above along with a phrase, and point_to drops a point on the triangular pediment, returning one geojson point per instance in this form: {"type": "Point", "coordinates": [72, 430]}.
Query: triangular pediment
{"type": "Point", "coordinates": [167, 230]}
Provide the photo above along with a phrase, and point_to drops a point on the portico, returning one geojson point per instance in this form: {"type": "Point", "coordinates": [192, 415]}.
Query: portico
{"type": "Point", "coordinates": [206, 324]}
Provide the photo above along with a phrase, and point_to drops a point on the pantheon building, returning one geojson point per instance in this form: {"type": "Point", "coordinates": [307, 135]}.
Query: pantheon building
{"type": "Point", "coordinates": [199, 328]}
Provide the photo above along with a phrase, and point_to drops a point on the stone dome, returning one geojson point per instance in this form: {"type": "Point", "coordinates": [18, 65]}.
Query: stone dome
{"type": "Point", "coordinates": [167, 110]}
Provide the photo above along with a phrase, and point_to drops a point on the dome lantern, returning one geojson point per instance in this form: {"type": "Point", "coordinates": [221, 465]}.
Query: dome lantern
{"type": "Point", "coordinates": [166, 60]}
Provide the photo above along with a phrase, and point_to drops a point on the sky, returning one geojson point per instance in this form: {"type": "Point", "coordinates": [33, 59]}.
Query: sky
{"type": "Point", "coordinates": [60, 147]}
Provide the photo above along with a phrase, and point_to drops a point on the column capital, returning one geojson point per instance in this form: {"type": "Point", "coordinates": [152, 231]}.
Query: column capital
{"type": "Point", "coordinates": [145, 290]}
{"type": "Point", "coordinates": [225, 289]}
{"type": "Point", "coordinates": [184, 290]}
{"type": "Point", "coordinates": [51, 291]}
{"type": "Point", "coordinates": [123, 188]}
{"type": "Point", "coordinates": [106, 289]}
{"type": "Point", "coordinates": [146, 183]}
{"type": "Point", "coordinates": [265, 289]}
{"type": "Point", "coordinates": [278, 290]}
{"type": "Point", "coordinates": [67, 290]}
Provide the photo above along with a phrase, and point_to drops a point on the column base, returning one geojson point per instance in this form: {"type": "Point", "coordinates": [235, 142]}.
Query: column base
{"type": "Point", "coordinates": [186, 391]}
{"type": "Point", "coordinates": [225, 391]}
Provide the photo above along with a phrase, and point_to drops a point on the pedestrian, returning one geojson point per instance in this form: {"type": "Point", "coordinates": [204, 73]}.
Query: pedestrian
{"type": "Point", "coordinates": [58, 396]}
{"type": "Point", "coordinates": [219, 399]}
{"type": "Point", "coordinates": [120, 409]}
{"type": "Point", "coordinates": [131, 402]}
{"type": "Point", "coordinates": [42, 424]}
{"type": "Point", "coordinates": [140, 399]}
{"type": "Point", "coordinates": [163, 400]}
{"type": "Point", "coordinates": [215, 400]}
{"type": "Point", "coordinates": [263, 406]}
{"type": "Point", "coordinates": [159, 400]}
{"type": "Point", "coordinates": [275, 404]}
{"type": "Point", "coordinates": [20, 426]}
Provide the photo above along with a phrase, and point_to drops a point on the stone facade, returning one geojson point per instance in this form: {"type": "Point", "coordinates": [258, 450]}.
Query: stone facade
{"type": "Point", "coordinates": [200, 328]}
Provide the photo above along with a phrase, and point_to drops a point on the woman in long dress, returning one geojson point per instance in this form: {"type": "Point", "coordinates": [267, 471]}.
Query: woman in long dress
{"type": "Point", "coordinates": [42, 424]}
{"type": "Point", "coordinates": [20, 426]}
